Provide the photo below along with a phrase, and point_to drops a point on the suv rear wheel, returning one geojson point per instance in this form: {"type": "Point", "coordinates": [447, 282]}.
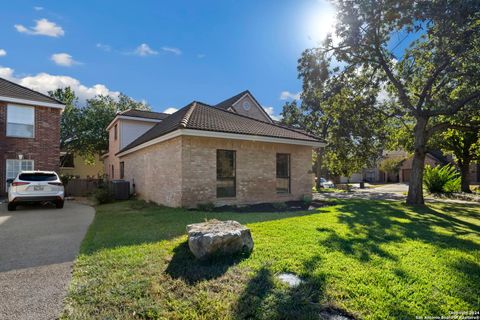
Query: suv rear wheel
{"type": "Point", "coordinates": [12, 206]}
{"type": "Point", "coordinates": [59, 204]}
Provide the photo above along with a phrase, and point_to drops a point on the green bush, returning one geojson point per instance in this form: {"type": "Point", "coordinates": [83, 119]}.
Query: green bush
{"type": "Point", "coordinates": [307, 199]}
{"type": "Point", "coordinates": [441, 179]}
{"type": "Point", "coordinates": [279, 205]}
{"type": "Point", "coordinates": [103, 195]}
{"type": "Point", "coordinates": [208, 206]}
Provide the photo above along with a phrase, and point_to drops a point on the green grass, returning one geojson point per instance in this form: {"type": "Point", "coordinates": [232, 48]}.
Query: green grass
{"type": "Point", "coordinates": [371, 259]}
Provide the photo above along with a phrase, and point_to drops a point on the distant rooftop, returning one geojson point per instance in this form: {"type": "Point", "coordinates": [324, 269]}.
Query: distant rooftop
{"type": "Point", "coordinates": [144, 114]}
{"type": "Point", "coordinates": [12, 90]}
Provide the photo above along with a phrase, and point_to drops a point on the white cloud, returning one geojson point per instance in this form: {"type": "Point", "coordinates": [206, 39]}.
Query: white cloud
{"type": "Point", "coordinates": [6, 73]}
{"type": "Point", "coordinates": [43, 27]}
{"type": "Point", "coordinates": [287, 95]}
{"type": "Point", "coordinates": [3, 52]}
{"type": "Point", "coordinates": [44, 82]}
{"type": "Point", "coordinates": [38, 8]}
{"type": "Point", "coordinates": [172, 50]}
{"type": "Point", "coordinates": [170, 110]}
{"type": "Point", "coordinates": [63, 59]}
{"type": "Point", "coordinates": [269, 111]}
{"type": "Point", "coordinates": [144, 50]}
{"type": "Point", "coordinates": [104, 47]}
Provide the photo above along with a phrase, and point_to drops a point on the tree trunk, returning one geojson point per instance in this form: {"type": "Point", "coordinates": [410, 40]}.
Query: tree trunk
{"type": "Point", "coordinates": [415, 188]}
{"type": "Point", "coordinates": [465, 177]}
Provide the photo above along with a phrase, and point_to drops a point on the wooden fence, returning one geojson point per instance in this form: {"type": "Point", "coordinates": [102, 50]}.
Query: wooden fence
{"type": "Point", "coordinates": [81, 187]}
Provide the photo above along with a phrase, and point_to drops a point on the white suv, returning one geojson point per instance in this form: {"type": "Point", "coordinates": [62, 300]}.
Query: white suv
{"type": "Point", "coordinates": [35, 186]}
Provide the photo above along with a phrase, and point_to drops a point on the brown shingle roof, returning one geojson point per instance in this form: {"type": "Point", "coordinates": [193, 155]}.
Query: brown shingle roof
{"type": "Point", "coordinates": [200, 116]}
{"type": "Point", "coordinates": [144, 114]}
{"type": "Point", "coordinates": [13, 90]}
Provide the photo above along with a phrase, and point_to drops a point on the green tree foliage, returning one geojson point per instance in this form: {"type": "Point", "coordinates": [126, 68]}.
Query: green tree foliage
{"type": "Point", "coordinates": [336, 107]}
{"type": "Point", "coordinates": [463, 142]}
{"type": "Point", "coordinates": [83, 128]}
{"type": "Point", "coordinates": [435, 77]}
{"type": "Point", "coordinates": [391, 165]}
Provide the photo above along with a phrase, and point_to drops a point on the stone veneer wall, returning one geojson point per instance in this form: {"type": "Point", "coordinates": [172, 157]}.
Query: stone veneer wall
{"type": "Point", "coordinates": [182, 171]}
{"type": "Point", "coordinates": [157, 172]}
{"type": "Point", "coordinates": [255, 171]}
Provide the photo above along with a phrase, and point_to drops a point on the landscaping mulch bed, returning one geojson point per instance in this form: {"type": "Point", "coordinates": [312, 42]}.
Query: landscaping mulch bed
{"type": "Point", "coordinates": [288, 206]}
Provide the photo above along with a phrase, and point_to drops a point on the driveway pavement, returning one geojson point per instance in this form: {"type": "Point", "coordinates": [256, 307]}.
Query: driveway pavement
{"type": "Point", "coordinates": [391, 191]}
{"type": "Point", "coordinates": [37, 248]}
{"type": "Point", "coordinates": [394, 191]}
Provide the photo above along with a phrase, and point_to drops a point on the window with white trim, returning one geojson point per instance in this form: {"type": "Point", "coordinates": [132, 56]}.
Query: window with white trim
{"type": "Point", "coordinates": [20, 121]}
{"type": "Point", "coordinates": [14, 166]}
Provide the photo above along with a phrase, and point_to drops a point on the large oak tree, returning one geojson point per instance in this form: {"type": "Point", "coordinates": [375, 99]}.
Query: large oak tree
{"type": "Point", "coordinates": [425, 53]}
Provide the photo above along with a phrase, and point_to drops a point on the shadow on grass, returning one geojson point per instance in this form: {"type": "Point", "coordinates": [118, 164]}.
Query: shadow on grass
{"type": "Point", "coordinates": [264, 297]}
{"type": "Point", "coordinates": [185, 266]}
{"type": "Point", "coordinates": [372, 224]}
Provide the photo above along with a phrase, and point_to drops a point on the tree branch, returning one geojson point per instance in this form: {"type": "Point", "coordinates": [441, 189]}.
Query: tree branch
{"type": "Point", "coordinates": [455, 107]}
{"type": "Point", "coordinates": [401, 90]}
{"type": "Point", "coordinates": [430, 82]}
{"type": "Point", "coordinates": [448, 125]}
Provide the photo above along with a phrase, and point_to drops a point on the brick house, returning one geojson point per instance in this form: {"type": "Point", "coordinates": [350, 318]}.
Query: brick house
{"type": "Point", "coordinates": [230, 153]}
{"type": "Point", "coordinates": [29, 131]}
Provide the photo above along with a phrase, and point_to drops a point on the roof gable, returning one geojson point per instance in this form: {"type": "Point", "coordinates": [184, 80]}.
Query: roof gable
{"type": "Point", "coordinates": [234, 104]}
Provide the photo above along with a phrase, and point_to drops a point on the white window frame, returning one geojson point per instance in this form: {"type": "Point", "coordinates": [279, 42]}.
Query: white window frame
{"type": "Point", "coordinates": [9, 176]}
{"type": "Point", "coordinates": [20, 106]}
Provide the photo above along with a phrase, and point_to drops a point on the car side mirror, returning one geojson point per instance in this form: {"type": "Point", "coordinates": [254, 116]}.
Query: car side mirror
{"type": "Point", "coordinates": [10, 180]}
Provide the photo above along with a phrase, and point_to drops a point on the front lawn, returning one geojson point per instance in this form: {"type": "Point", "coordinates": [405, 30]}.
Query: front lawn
{"type": "Point", "coordinates": [370, 259]}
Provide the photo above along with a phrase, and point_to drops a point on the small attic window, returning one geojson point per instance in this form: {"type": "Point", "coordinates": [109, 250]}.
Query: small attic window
{"type": "Point", "coordinates": [246, 105]}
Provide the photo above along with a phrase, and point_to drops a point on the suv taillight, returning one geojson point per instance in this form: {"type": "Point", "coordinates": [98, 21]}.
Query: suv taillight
{"type": "Point", "coordinates": [18, 183]}
{"type": "Point", "coordinates": [56, 183]}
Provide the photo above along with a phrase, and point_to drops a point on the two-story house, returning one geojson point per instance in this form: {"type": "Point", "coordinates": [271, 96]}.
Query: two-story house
{"type": "Point", "coordinates": [29, 131]}
{"type": "Point", "coordinates": [228, 153]}
{"type": "Point", "coordinates": [124, 128]}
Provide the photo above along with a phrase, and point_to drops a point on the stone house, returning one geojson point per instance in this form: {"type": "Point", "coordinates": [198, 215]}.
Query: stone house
{"type": "Point", "coordinates": [229, 153]}
{"type": "Point", "coordinates": [29, 131]}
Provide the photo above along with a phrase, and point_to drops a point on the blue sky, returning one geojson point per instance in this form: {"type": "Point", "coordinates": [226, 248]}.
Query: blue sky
{"type": "Point", "coordinates": [166, 52]}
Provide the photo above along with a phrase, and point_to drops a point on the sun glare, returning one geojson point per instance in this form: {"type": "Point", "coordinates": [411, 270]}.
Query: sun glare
{"type": "Point", "coordinates": [319, 22]}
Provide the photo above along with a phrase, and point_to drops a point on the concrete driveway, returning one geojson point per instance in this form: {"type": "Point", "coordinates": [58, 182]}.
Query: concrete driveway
{"type": "Point", "coordinates": [37, 248]}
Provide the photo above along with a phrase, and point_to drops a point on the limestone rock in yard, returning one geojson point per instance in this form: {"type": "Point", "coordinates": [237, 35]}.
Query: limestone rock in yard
{"type": "Point", "coordinates": [218, 237]}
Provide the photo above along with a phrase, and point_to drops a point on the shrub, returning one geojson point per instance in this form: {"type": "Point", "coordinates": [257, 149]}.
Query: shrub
{"type": "Point", "coordinates": [103, 195]}
{"type": "Point", "coordinates": [307, 199]}
{"type": "Point", "coordinates": [279, 205]}
{"type": "Point", "coordinates": [208, 206]}
{"type": "Point", "coordinates": [441, 179]}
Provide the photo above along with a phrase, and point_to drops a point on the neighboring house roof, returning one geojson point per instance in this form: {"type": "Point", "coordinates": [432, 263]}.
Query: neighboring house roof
{"type": "Point", "coordinates": [439, 156]}
{"type": "Point", "coordinates": [144, 114]}
{"type": "Point", "coordinates": [202, 117]}
{"type": "Point", "coordinates": [230, 102]}
{"type": "Point", "coordinates": [12, 92]}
